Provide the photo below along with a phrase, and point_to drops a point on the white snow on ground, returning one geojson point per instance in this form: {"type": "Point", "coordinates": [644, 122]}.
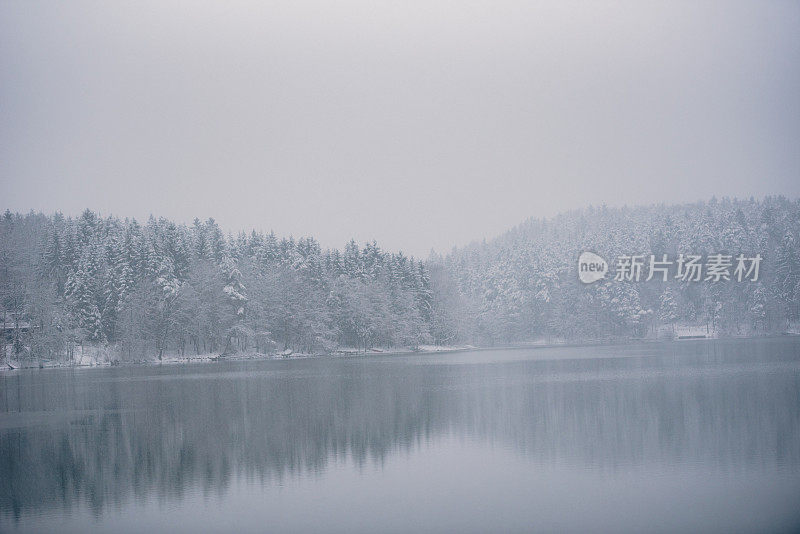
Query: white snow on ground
{"type": "Point", "coordinates": [186, 358]}
{"type": "Point", "coordinates": [444, 348]}
{"type": "Point", "coordinates": [793, 329]}
{"type": "Point", "coordinates": [695, 331]}
{"type": "Point", "coordinates": [401, 350]}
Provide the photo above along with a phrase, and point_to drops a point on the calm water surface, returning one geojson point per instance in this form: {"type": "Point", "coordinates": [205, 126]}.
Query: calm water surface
{"type": "Point", "coordinates": [684, 436]}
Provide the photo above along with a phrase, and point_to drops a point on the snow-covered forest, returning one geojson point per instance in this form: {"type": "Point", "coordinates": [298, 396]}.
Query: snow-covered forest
{"type": "Point", "coordinates": [144, 290]}
{"type": "Point", "coordinates": [524, 284]}
{"type": "Point", "coordinates": [162, 287]}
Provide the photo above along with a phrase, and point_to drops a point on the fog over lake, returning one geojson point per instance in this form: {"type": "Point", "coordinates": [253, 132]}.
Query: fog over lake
{"type": "Point", "coordinates": [669, 436]}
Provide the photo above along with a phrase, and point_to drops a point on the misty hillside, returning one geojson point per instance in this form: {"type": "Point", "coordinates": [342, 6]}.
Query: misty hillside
{"type": "Point", "coordinates": [523, 285]}
{"type": "Point", "coordinates": [142, 291]}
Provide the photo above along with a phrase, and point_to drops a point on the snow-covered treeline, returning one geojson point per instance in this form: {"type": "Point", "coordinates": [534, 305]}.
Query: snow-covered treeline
{"type": "Point", "coordinates": [141, 291]}
{"type": "Point", "coordinates": [162, 287]}
{"type": "Point", "coordinates": [523, 285]}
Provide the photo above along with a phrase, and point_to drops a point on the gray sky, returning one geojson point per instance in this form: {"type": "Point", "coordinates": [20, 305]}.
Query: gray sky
{"type": "Point", "coordinates": [419, 124]}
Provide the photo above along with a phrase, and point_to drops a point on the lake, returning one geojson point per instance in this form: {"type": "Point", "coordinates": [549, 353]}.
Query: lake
{"type": "Point", "coordinates": [655, 437]}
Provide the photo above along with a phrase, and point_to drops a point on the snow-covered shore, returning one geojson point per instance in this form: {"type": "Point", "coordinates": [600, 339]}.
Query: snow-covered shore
{"type": "Point", "coordinates": [97, 359]}
{"type": "Point", "coordinates": [101, 358]}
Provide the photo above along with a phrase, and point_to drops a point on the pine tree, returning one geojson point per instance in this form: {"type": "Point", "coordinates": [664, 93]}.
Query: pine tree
{"type": "Point", "coordinates": [668, 307]}
{"type": "Point", "coordinates": [82, 294]}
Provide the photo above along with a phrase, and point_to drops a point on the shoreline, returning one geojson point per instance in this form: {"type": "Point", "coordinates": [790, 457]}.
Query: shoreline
{"type": "Point", "coordinates": [428, 350]}
{"type": "Point", "coordinates": [214, 358]}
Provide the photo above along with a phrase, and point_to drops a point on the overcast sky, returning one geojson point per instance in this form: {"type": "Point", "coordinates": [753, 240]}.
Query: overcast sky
{"type": "Point", "coordinates": [419, 124]}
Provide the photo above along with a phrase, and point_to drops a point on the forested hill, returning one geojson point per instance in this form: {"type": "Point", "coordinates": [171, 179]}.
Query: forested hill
{"type": "Point", "coordinates": [524, 284]}
{"type": "Point", "coordinates": [163, 287]}
{"type": "Point", "coordinates": [146, 290]}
